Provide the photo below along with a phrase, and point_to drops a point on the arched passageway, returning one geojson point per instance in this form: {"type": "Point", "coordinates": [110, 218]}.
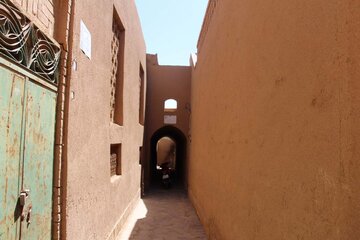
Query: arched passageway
{"type": "Point", "coordinates": [166, 153]}
{"type": "Point", "coordinates": [168, 143]}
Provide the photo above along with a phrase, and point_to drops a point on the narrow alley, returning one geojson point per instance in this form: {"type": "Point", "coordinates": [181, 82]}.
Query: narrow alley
{"type": "Point", "coordinates": [257, 119]}
{"type": "Point", "coordinates": [162, 215]}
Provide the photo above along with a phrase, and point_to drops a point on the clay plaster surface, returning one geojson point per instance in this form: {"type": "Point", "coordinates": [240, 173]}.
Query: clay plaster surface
{"type": "Point", "coordinates": [95, 201]}
{"type": "Point", "coordinates": [165, 82]}
{"type": "Point", "coordinates": [275, 130]}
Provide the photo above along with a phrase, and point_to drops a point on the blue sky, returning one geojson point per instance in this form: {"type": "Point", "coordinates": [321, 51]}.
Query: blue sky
{"type": "Point", "coordinates": [171, 28]}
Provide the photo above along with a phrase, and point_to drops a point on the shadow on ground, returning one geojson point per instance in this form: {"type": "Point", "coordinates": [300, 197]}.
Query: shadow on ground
{"type": "Point", "coordinates": [163, 215]}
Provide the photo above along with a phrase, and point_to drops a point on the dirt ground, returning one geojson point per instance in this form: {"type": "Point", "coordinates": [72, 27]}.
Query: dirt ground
{"type": "Point", "coordinates": [163, 215]}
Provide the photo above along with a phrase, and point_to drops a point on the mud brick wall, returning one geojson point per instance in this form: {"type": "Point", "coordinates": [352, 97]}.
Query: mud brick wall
{"type": "Point", "coordinates": [41, 12]}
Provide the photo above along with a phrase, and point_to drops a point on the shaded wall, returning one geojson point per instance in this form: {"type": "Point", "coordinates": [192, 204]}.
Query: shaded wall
{"type": "Point", "coordinates": [165, 82]}
{"type": "Point", "coordinates": [275, 130]}
{"type": "Point", "coordinates": [96, 203]}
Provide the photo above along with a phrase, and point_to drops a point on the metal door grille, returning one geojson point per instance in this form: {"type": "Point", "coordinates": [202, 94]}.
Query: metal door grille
{"type": "Point", "coordinates": [22, 42]}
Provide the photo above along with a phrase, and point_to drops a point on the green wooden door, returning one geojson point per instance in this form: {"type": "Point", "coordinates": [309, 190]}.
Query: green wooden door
{"type": "Point", "coordinates": [27, 133]}
{"type": "Point", "coordinates": [11, 112]}
{"type": "Point", "coordinates": [38, 160]}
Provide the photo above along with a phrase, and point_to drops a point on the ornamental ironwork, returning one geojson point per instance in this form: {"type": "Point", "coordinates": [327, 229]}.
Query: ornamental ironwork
{"type": "Point", "coordinates": [22, 42]}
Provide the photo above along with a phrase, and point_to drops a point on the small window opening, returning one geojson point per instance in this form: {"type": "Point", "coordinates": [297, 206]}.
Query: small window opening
{"type": "Point", "coordinates": [115, 159]}
{"type": "Point", "coordinates": [170, 105]}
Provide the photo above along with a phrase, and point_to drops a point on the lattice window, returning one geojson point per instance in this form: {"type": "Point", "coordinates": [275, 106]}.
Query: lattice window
{"type": "Point", "coordinates": [115, 159]}
{"type": "Point", "coordinates": [114, 68]}
{"type": "Point", "coordinates": [116, 81]}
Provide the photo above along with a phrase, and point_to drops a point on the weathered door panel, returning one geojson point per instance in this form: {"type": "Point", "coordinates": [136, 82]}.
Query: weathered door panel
{"type": "Point", "coordinates": [38, 160]}
{"type": "Point", "coordinates": [29, 62]}
{"type": "Point", "coordinates": [11, 115]}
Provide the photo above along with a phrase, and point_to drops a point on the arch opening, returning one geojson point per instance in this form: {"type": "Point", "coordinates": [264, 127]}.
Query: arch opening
{"type": "Point", "coordinates": [168, 144]}
{"type": "Point", "coordinates": [170, 105]}
{"type": "Point", "coordinates": [166, 153]}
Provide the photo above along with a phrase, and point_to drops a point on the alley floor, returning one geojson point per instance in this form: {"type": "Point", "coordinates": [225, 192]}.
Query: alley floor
{"type": "Point", "coordinates": [163, 215]}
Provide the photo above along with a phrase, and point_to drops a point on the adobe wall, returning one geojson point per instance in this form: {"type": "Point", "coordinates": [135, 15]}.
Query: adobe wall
{"type": "Point", "coordinates": [165, 82]}
{"type": "Point", "coordinates": [275, 121]}
{"type": "Point", "coordinates": [97, 204]}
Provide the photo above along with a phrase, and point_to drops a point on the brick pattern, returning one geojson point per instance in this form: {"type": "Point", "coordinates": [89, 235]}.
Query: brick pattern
{"type": "Point", "coordinates": [65, 7]}
{"type": "Point", "coordinates": [59, 148]}
{"type": "Point", "coordinates": [115, 46]}
{"type": "Point", "coordinates": [41, 12]}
